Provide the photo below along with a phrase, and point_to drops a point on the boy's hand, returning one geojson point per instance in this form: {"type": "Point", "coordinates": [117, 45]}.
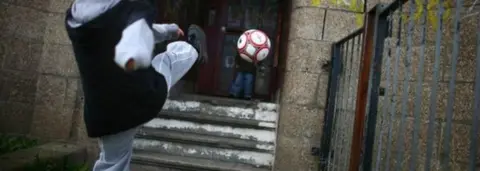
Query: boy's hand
{"type": "Point", "coordinates": [166, 32]}
{"type": "Point", "coordinates": [180, 32]}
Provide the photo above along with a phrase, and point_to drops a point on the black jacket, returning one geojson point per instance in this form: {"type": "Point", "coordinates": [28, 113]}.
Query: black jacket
{"type": "Point", "coordinates": [115, 100]}
{"type": "Point", "coordinates": [244, 66]}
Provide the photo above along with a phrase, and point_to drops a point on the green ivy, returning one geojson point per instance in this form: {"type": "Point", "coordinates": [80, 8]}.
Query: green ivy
{"type": "Point", "coordinates": [9, 143]}
{"type": "Point", "coordinates": [355, 6]}
{"type": "Point", "coordinates": [50, 165]}
{"type": "Point", "coordinates": [431, 11]}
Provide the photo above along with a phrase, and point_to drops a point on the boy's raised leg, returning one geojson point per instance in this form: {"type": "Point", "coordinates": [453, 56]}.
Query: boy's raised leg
{"type": "Point", "coordinates": [180, 56]}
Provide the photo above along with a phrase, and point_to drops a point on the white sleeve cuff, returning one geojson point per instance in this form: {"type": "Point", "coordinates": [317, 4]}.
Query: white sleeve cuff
{"type": "Point", "coordinates": [165, 32]}
{"type": "Point", "coordinates": [137, 43]}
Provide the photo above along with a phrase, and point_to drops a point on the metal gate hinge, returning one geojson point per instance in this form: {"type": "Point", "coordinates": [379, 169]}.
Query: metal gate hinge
{"type": "Point", "coordinates": [315, 151]}
{"type": "Point", "coordinates": [381, 91]}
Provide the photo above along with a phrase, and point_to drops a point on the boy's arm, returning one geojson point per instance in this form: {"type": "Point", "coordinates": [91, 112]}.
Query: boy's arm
{"type": "Point", "coordinates": [164, 32]}
{"type": "Point", "coordinates": [135, 48]}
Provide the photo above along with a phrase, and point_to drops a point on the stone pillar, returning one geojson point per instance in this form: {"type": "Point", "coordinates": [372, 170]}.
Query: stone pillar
{"type": "Point", "coordinates": [58, 80]}
{"type": "Point", "coordinates": [39, 79]}
{"type": "Point", "coordinates": [40, 92]}
{"type": "Point", "coordinates": [303, 97]}
{"type": "Point", "coordinates": [22, 26]}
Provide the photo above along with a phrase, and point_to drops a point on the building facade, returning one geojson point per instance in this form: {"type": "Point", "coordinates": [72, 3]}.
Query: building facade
{"type": "Point", "coordinates": [41, 96]}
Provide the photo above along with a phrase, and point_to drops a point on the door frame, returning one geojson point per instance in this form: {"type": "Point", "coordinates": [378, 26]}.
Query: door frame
{"type": "Point", "coordinates": [219, 46]}
{"type": "Point", "coordinates": [281, 51]}
{"type": "Point", "coordinates": [209, 86]}
{"type": "Point", "coordinates": [281, 36]}
{"type": "Point", "coordinates": [207, 77]}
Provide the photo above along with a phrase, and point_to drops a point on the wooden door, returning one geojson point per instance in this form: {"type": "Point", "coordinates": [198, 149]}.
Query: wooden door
{"type": "Point", "coordinates": [213, 15]}
{"type": "Point", "coordinates": [233, 18]}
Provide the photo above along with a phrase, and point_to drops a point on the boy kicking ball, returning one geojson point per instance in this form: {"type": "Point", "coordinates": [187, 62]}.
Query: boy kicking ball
{"type": "Point", "coordinates": [125, 84]}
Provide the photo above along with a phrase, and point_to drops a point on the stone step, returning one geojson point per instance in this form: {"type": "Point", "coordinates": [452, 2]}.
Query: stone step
{"type": "Point", "coordinates": [204, 140]}
{"type": "Point", "coordinates": [254, 158]}
{"type": "Point", "coordinates": [259, 135]}
{"type": "Point", "coordinates": [148, 161]}
{"type": "Point", "coordinates": [266, 112]}
{"type": "Point", "coordinates": [144, 167]}
{"type": "Point", "coordinates": [207, 133]}
{"type": "Point", "coordinates": [220, 101]}
{"type": "Point", "coordinates": [203, 118]}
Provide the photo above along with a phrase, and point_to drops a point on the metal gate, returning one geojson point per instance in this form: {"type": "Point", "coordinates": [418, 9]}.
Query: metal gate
{"type": "Point", "coordinates": [404, 90]}
{"type": "Point", "coordinates": [346, 55]}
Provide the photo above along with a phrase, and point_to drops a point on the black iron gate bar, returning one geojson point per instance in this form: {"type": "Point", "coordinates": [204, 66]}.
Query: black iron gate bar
{"type": "Point", "coordinates": [387, 94]}
{"type": "Point", "coordinates": [339, 114]}
{"type": "Point", "coordinates": [352, 75]}
{"type": "Point", "coordinates": [341, 49]}
{"type": "Point", "coordinates": [380, 27]}
{"type": "Point", "coordinates": [324, 153]}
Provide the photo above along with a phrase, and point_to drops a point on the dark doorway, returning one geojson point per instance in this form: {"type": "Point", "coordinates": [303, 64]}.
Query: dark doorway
{"type": "Point", "coordinates": [215, 76]}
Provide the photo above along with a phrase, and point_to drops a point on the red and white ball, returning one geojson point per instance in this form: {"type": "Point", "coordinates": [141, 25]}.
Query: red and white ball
{"type": "Point", "coordinates": [253, 45]}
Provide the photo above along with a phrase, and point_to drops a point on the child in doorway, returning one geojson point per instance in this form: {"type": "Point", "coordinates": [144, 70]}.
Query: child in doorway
{"type": "Point", "coordinates": [125, 84]}
{"type": "Point", "coordinates": [244, 78]}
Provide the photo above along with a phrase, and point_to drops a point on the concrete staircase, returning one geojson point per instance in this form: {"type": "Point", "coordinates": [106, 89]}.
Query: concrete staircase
{"type": "Point", "coordinates": [197, 133]}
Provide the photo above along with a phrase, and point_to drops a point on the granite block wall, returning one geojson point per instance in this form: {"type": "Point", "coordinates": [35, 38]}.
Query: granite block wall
{"type": "Point", "coordinates": [313, 29]}
{"type": "Point", "coordinates": [39, 81]}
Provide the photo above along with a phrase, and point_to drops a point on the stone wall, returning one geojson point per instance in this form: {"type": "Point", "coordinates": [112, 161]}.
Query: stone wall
{"type": "Point", "coordinates": [313, 29]}
{"type": "Point", "coordinates": [39, 82]}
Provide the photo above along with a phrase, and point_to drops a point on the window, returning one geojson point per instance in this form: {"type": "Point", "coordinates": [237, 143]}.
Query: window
{"type": "Point", "coordinates": [249, 14]}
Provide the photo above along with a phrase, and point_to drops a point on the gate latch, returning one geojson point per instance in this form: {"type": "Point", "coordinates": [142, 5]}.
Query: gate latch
{"type": "Point", "coordinates": [315, 151]}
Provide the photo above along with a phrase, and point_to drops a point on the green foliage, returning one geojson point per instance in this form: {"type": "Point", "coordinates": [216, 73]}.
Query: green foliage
{"type": "Point", "coordinates": [50, 165]}
{"type": "Point", "coordinates": [430, 10]}
{"type": "Point", "coordinates": [9, 143]}
{"type": "Point", "coordinates": [354, 5]}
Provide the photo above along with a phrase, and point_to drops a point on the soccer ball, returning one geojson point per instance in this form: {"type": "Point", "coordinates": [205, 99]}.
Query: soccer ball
{"type": "Point", "coordinates": [253, 45]}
